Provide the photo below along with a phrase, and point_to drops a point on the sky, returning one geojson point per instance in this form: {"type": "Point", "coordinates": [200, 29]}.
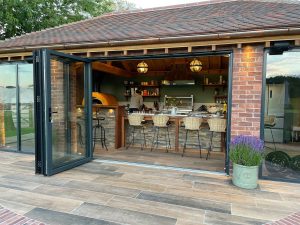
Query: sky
{"type": "Point", "coordinates": [158, 3]}
{"type": "Point", "coordinates": [286, 64]}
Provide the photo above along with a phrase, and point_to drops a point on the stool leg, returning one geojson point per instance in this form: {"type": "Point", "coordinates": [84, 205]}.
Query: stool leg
{"type": "Point", "coordinates": [101, 134]}
{"type": "Point", "coordinates": [153, 141]}
{"type": "Point", "coordinates": [133, 136]}
{"type": "Point", "coordinates": [166, 140]}
{"type": "Point", "coordinates": [199, 143]}
{"type": "Point", "coordinates": [157, 135]}
{"type": "Point", "coordinates": [132, 139]}
{"type": "Point", "coordinates": [210, 147]}
{"type": "Point", "coordinates": [143, 145]}
{"type": "Point", "coordinates": [94, 137]}
{"type": "Point", "coordinates": [169, 138]}
{"type": "Point", "coordinates": [103, 138]}
{"type": "Point", "coordinates": [184, 146]}
{"type": "Point", "coordinates": [273, 139]}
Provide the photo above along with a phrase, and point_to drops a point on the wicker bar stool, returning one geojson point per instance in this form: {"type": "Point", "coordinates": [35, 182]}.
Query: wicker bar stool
{"type": "Point", "coordinates": [215, 125]}
{"type": "Point", "coordinates": [161, 122]}
{"type": "Point", "coordinates": [192, 124]}
{"type": "Point", "coordinates": [135, 121]}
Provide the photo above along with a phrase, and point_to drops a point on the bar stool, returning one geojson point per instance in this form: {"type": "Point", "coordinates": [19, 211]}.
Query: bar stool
{"type": "Point", "coordinates": [98, 127]}
{"type": "Point", "coordinates": [270, 122]}
{"type": "Point", "coordinates": [161, 122]}
{"type": "Point", "coordinates": [215, 125]}
{"type": "Point", "coordinates": [136, 122]}
{"type": "Point", "coordinates": [192, 124]}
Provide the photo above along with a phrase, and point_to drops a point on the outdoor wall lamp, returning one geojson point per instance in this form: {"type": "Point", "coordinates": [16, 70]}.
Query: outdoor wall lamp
{"type": "Point", "coordinates": [142, 67]}
{"type": "Point", "coordinates": [196, 65]}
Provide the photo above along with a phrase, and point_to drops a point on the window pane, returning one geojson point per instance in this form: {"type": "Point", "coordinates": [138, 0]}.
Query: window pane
{"type": "Point", "coordinates": [8, 115]}
{"type": "Point", "coordinates": [25, 72]}
{"type": "Point", "coordinates": [68, 118]}
{"type": "Point", "coordinates": [282, 116]}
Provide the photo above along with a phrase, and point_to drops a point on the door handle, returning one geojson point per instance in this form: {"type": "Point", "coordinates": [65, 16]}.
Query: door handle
{"type": "Point", "coordinates": [50, 115]}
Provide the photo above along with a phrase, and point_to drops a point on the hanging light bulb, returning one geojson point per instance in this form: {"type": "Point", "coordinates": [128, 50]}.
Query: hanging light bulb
{"type": "Point", "coordinates": [196, 65]}
{"type": "Point", "coordinates": [142, 67]}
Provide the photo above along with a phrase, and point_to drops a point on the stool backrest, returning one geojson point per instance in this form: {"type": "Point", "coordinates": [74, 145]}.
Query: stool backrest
{"type": "Point", "coordinates": [217, 124]}
{"type": "Point", "coordinates": [160, 120]}
{"type": "Point", "coordinates": [270, 120]}
{"type": "Point", "coordinates": [192, 123]}
{"type": "Point", "coordinates": [135, 119]}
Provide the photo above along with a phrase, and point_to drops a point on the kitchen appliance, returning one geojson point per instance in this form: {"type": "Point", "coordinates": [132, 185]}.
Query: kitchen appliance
{"type": "Point", "coordinates": [183, 104]}
{"type": "Point", "coordinates": [174, 110]}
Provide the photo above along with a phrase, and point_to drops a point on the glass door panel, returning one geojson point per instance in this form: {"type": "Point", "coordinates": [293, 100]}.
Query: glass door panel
{"type": "Point", "coordinates": [8, 107]}
{"type": "Point", "coordinates": [68, 121]}
{"type": "Point", "coordinates": [282, 117]}
{"type": "Point", "coordinates": [65, 124]}
{"type": "Point", "coordinates": [26, 107]}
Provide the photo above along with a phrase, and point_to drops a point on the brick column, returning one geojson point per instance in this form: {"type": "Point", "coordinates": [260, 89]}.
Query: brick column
{"type": "Point", "coordinates": [247, 90]}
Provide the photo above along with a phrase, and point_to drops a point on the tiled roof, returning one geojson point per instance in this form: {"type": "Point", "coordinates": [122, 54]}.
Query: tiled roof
{"type": "Point", "coordinates": [212, 17]}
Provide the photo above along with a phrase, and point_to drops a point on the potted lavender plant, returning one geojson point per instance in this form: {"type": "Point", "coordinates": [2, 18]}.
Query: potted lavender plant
{"type": "Point", "coordinates": [246, 153]}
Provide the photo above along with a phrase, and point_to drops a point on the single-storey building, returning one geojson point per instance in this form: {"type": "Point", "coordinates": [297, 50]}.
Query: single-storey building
{"type": "Point", "coordinates": [233, 64]}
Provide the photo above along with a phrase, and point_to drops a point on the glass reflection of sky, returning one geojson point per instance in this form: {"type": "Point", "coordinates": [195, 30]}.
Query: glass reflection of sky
{"type": "Point", "coordinates": [287, 64]}
{"type": "Point", "coordinates": [8, 74]}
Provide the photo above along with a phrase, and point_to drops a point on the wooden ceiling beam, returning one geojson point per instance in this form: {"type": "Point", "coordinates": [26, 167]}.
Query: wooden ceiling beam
{"type": "Point", "coordinates": [126, 65]}
{"type": "Point", "coordinates": [99, 66]}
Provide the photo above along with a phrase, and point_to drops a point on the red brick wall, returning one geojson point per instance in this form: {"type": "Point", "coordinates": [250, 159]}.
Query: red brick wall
{"type": "Point", "coordinates": [247, 90]}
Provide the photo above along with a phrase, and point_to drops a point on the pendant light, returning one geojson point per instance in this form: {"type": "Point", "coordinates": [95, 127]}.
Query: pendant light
{"type": "Point", "coordinates": [196, 65]}
{"type": "Point", "coordinates": [142, 67]}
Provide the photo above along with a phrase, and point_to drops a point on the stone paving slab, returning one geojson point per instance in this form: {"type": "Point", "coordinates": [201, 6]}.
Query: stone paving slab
{"type": "Point", "coordinates": [60, 218]}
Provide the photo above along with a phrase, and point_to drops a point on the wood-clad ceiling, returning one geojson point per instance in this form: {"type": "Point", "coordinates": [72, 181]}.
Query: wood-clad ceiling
{"type": "Point", "coordinates": [168, 67]}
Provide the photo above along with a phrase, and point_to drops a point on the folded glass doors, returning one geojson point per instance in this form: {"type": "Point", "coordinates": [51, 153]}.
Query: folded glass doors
{"type": "Point", "coordinates": [63, 111]}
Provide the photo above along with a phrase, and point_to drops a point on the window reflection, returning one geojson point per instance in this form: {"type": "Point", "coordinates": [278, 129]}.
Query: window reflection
{"type": "Point", "coordinates": [282, 116]}
{"type": "Point", "coordinates": [26, 100]}
{"type": "Point", "coordinates": [16, 90]}
{"type": "Point", "coordinates": [8, 113]}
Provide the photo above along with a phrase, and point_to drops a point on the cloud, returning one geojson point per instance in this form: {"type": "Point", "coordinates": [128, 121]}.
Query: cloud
{"type": "Point", "coordinates": [286, 64]}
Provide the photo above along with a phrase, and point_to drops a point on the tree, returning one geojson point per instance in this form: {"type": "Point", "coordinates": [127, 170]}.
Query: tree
{"type": "Point", "coordinates": [18, 17]}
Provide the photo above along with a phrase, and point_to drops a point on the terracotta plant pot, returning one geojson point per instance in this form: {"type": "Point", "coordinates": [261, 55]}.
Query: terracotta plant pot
{"type": "Point", "coordinates": [245, 176]}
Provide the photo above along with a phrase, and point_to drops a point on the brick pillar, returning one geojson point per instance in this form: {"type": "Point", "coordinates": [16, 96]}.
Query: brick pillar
{"type": "Point", "coordinates": [247, 90]}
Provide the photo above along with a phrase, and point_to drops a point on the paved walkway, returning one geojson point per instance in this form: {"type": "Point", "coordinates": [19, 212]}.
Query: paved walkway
{"type": "Point", "coordinates": [102, 193]}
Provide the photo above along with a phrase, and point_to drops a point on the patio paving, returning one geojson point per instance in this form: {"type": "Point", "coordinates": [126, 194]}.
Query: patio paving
{"type": "Point", "coordinates": [116, 194]}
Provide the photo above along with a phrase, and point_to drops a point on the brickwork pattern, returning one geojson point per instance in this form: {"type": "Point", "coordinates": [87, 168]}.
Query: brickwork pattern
{"type": "Point", "coordinates": [247, 90]}
{"type": "Point", "coordinates": [293, 219]}
{"type": "Point", "coordinates": [10, 218]}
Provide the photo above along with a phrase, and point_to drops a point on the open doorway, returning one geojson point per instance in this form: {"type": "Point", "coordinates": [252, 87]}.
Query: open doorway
{"type": "Point", "coordinates": [175, 87]}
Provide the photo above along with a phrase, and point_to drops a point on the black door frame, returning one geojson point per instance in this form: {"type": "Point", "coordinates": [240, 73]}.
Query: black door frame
{"type": "Point", "coordinates": [42, 101]}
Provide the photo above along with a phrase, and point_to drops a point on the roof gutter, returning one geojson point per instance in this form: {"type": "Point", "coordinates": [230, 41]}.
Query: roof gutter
{"type": "Point", "coordinates": [163, 40]}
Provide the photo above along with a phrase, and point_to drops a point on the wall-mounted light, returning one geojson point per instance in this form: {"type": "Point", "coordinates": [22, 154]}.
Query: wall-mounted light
{"type": "Point", "coordinates": [142, 67]}
{"type": "Point", "coordinates": [196, 65]}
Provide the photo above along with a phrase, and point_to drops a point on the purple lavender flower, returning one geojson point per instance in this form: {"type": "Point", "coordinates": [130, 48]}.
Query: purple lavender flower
{"type": "Point", "coordinates": [253, 142]}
